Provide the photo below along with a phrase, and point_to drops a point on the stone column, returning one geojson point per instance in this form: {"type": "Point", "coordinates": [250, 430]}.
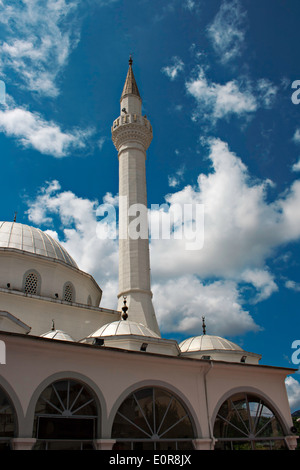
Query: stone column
{"type": "Point", "coordinates": [104, 444]}
{"type": "Point", "coordinates": [203, 444]}
{"type": "Point", "coordinates": [22, 443]}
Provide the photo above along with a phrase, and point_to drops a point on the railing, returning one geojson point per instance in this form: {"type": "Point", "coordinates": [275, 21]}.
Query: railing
{"type": "Point", "coordinates": [131, 119]}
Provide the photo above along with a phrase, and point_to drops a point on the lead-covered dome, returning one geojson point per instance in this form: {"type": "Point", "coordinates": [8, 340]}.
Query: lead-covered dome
{"type": "Point", "coordinates": [208, 343]}
{"type": "Point", "coordinates": [123, 327]}
{"type": "Point", "coordinates": [131, 336]}
{"type": "Point", "coordinates": [58, 335]}
{"type": "Point", "coordinates": [22, 237]}
{"type": "Point", "coordinates": [215, 348]}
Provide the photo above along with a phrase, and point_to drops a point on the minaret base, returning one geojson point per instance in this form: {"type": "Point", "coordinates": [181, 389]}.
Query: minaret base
{"type": "Point", "coordinates": [140, 308]}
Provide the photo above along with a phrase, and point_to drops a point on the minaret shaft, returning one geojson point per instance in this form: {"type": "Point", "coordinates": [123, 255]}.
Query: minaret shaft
{"type": "Point", "coordinates": [132, 135]}
{"type": "Point", "coordinates": [134, 253]}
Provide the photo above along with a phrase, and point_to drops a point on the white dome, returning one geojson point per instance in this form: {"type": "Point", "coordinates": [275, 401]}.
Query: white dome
{"type": "Point", "coordinates": [32, 240]}
{"type": "Point", "coordinates": [208, 343]}
{"type": "Point", "coordinates": [123, 327]}
{"type": "Point", "coordinates": [57, 334]}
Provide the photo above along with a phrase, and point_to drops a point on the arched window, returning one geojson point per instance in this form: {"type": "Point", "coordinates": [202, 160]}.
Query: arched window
{"type": "Point", "coordinates": [7, 420]}
{"type": "Point", "coordinates": [66, 417]}
{"type": "Point", "coordinates": [152, 419]}
{"type": "Point", "coordinates": [69, 292]}
{"type": "Point", "coordinates": [246, 422]}
{"type": "Point", "coordinates": [32, 283]}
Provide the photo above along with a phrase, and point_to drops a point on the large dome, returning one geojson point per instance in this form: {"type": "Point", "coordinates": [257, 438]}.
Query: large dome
{"type": "Point", "coordinates": [17, 236]}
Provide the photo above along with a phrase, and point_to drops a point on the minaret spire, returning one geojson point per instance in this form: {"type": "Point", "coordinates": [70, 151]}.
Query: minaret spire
{"type": "Point", "coordinates": [132, 135]}
{"type": "Point", "coordinates": [130, 86]}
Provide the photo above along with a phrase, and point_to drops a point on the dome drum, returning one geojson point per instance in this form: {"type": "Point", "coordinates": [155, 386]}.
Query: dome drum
{"type": "Point", "coordinates": [34, 263]}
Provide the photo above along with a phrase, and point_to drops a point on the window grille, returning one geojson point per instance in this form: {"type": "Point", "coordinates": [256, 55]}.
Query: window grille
{"type": "Point", "coordinates": [31, 284]}
{"type": "Point", "coordinates": [68, 293]}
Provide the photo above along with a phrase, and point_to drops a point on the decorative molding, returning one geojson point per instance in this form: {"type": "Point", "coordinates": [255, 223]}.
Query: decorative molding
{"type": "Point", "coordinates": [130, 132]}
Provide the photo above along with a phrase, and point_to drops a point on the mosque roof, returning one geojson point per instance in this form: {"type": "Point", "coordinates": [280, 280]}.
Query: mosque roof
{"type": "Point", "coordinates": [22, 237]}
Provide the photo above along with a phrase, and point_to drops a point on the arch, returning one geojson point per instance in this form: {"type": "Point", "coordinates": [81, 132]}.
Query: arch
{"type": "Point", "coordinates": [252, 391]}
{"type": "Point", "coordinates": [8, 418]}
{"type": "Point", "coordinates": [68, 292]}
{"type": "Point", "coordinates": [19, 414]}
{"type": "Point", "coordinates": [73, 395]}
{"type": "Point", "coordinates": [152, 416]}
{"type": "Point", "coordinates": [247, 420]}
{"type": "Point", "coordinates": [32, 282]}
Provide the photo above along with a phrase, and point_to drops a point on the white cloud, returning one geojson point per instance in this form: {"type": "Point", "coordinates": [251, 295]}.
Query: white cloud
{"type": "Point", "coordinates": [173, 70]}
{"type": "Point", "coordinates": [227, 31]}
{"type": "Point", "coordinates": [238, 226]}
{"type": "Point", "coordinates": [296, 136]}
{"type": "Point", "coordinates": [295, 286]}
{"type": "Point", "coordinates": [296, 166]}
{"type": "Point", "coordinates": [189, 4]}
{"type": "Point", "coordinates": [262, 280]}
{"type": "Point", "coordinates": [267, 92]}
{"type": "Point", "coordinates": [175, 180]}
{"type": "Point", "coordinates": [79, 234]}
{"type": "Point", "coordinates": [296, 139]}
{"type": "Point", "coordinates": [31, 130]}
{"type": "Point", "coordinates": [237, 97]}
{"type": "Point", "coordinates": [40, 36]}
{"type": "Point", "coordinates": [293, 391]}
{"type": "Point", "coordinates": [217, 101]}
{"type": "Point", "coordinates": [180, 304]}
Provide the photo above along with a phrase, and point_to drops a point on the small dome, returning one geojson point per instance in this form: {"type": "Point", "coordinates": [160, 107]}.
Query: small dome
{"type": "Point", "coordinates": [57, 334]}
{"type": "Point", "coordinates": [123, 327]}
{"type": "Point", "coordinates": [208, 343]}
{"type": "Point", "coordinates": [32, 240]}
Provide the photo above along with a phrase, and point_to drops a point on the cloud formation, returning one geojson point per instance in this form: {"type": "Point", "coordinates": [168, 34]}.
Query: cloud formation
{"type": "Point", "coordinates": [31, 130]}
{"type": "Point", "coordinates": [39, 40]}
{"type": "Point", "coordinates": [238, 98]}
{"type": "Point", "coordinates": [293, 391]}
{"type": "Point", "coordinates": [227, 31]}
{"type": "Point", "coordinates": [242, 231]}
{"type": "Point", "coordinates": [173, 70]}
{"type": "Point", "coordinates": [79, 234]}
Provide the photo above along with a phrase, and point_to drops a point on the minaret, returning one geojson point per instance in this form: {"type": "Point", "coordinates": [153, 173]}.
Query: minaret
{"type": "Point", "coordinates": [132, 135]}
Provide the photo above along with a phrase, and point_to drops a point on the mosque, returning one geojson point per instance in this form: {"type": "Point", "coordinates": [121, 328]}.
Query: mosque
{"type": "Point", "coordinates": [77, 376]}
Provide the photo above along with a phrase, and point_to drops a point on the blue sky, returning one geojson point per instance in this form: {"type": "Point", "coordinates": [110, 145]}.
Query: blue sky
{"type": "Point", "coordinates": [216, 81]}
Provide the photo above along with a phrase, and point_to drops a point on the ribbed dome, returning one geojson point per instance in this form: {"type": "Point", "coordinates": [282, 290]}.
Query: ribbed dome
{"type": "Point", "coordinates": [32, 240]}
{"type": "Point", "coordinates": [57, 334]}
{"type": "Point", "coordinates": [123, 327]}
{"type": "Point", "coordinates": [208, 343]}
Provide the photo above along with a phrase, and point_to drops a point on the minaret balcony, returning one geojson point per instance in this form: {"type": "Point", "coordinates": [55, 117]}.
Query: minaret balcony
{"type": "Point", "coordinates": [131, 127]}
{"type": "Point", "coordinates": [131, 119]}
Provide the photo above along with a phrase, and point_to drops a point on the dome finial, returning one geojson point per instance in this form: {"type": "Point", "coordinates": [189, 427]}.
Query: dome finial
{"type": "Point", "coordinates": [124, 308]}
{"type": "Point", "coordinates": [203, 325]}
{"type": "Point", "coordinates": [130, 59]}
